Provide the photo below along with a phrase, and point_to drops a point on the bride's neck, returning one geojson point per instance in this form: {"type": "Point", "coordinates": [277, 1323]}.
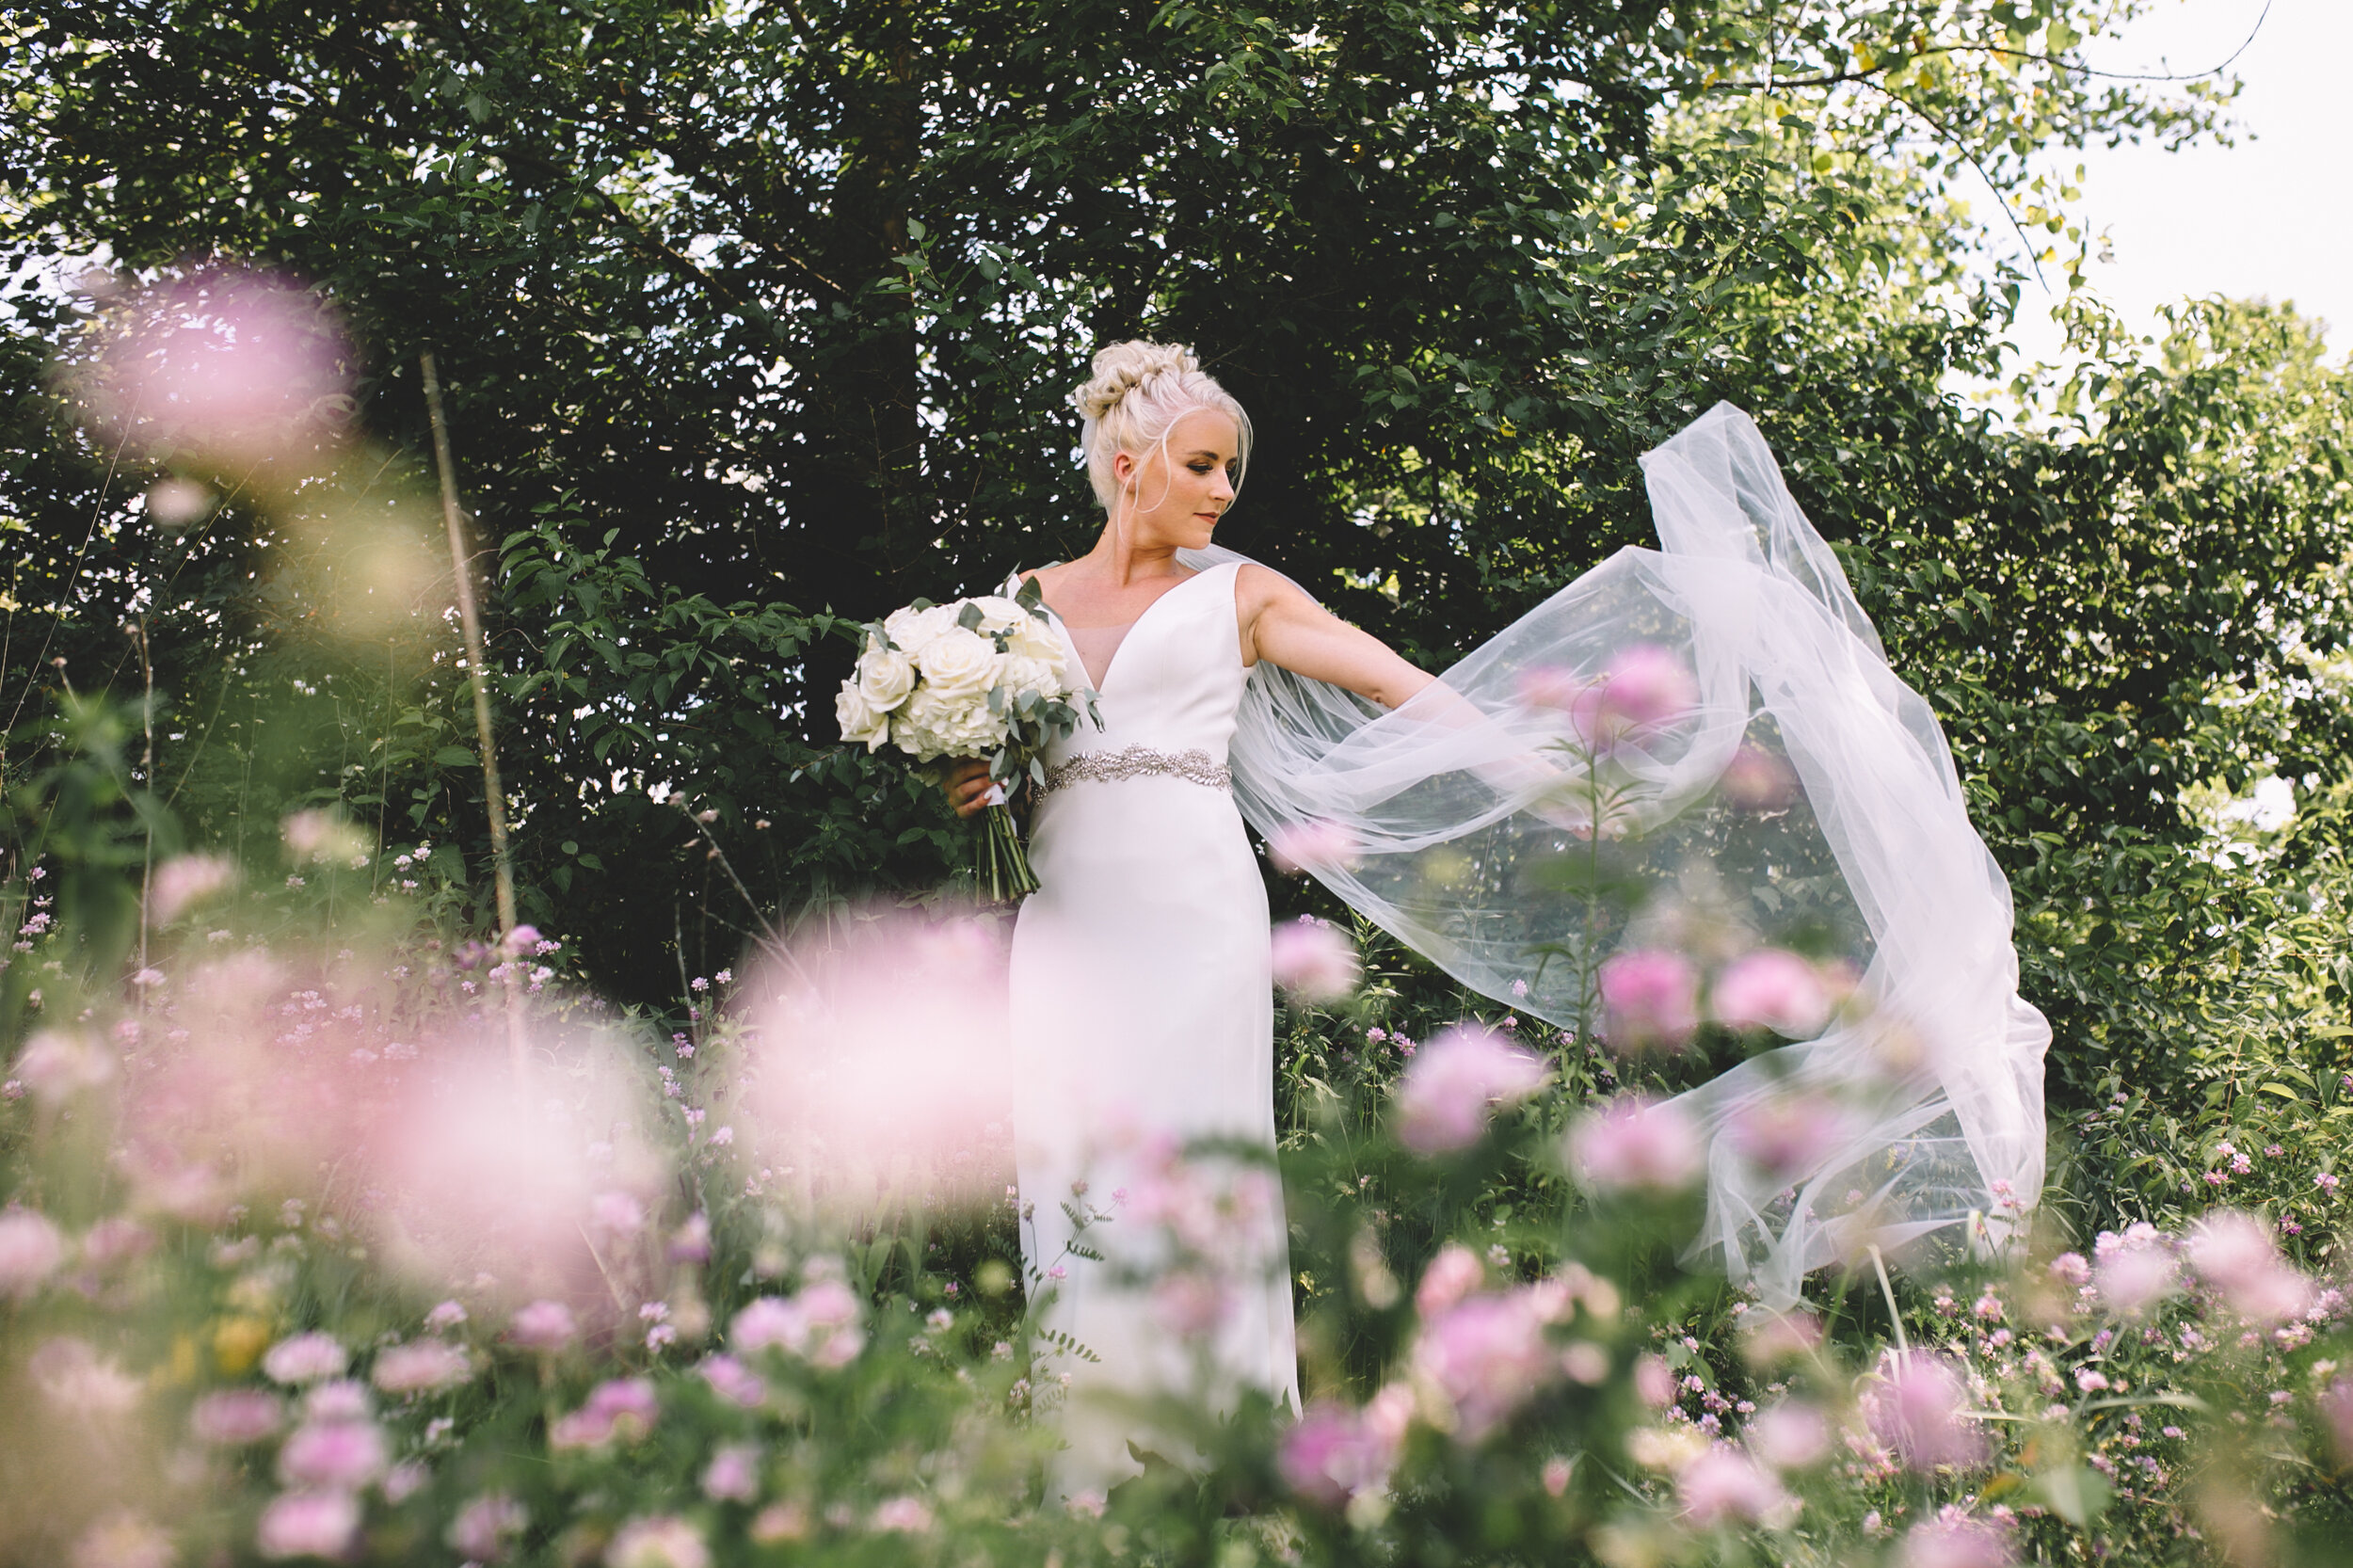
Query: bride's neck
{"type": "Point", "coordinates": [1126, 560]}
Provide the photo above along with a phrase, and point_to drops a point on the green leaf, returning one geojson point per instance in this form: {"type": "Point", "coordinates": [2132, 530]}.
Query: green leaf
{"type": "Point", "coordinates": [454, 757]}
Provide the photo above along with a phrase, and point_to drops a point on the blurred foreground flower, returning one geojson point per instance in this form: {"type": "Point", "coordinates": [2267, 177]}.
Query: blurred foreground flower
{"type": "Point", "coordinates": [1312, 846]}
{"type": "Point", "coordinates": [1646, 687]}
{"type": "Point", "coordinates": [1918, 1409]}
{"type": "Point", "coordinates": [1453, 1085]}
{"type": "Point", "coordinates": [1312, 961]}
{"type": "Point", "coordinates": [2233, 1252]}
{"type": "Point", "coordinates": [1649, 998]}
{"type": "Point", "coordinates": [1635, 1146]}
{"type": "Point", "coordinates": [234, 370]}
{"type": "Point", "coordinates": [1772, 989]}
{"type": "Point", "coordinates": [1332, 1454]}
{"type": "Point", "coordinates": [881, 1055]}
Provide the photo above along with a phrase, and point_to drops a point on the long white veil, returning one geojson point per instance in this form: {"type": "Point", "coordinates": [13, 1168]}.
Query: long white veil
{"type": "Point", "coordinates": [1765, 781]}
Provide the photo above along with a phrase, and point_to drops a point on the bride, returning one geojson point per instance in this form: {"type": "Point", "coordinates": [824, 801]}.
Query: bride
{"type": "Point", "coordinates": [1778, 778]}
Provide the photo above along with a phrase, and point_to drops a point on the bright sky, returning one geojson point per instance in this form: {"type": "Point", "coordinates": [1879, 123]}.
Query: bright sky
{"type": "Point", "coordinates": [2271, 215]}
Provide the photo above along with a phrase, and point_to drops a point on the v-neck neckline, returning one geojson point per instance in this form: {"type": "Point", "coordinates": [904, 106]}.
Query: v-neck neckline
{"type": "Point", "coordinates": [1133, 627]}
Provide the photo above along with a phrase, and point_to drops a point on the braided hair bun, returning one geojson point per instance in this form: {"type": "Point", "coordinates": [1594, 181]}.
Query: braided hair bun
{"type": "Point", "coordinates": [1137, 391]}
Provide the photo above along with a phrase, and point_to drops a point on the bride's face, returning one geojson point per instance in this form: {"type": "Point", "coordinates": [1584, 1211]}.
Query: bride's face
{"type": "Point", "coordinates": [1175, 493]}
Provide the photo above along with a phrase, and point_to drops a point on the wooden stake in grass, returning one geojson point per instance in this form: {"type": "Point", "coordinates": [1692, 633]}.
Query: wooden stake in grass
{"type": "Point", "coordinates": [469, 618]}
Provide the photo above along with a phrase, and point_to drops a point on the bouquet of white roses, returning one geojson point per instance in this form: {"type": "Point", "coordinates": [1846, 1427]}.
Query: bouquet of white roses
{"type": "Point", "coordinates": [985, 677]}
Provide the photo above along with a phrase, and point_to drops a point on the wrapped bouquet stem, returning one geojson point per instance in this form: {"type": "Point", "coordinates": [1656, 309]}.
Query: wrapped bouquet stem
{"type": "Point", "coordinates": [986, 678]}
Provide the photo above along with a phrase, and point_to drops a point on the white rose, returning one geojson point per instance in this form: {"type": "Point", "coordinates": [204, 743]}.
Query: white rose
{"type": "Point", "coordinates": [913, 629]}
{"type": "Point", "coordinates": [885, 677]}
{"type": "Point", "coordinates": [1033, 639]}
{"type": "Point", "coordinates": [998, 613]}
{"type": "Point", "coordinates": [958, 664]}
{"type": "Point", "coordinates": [858, 718]}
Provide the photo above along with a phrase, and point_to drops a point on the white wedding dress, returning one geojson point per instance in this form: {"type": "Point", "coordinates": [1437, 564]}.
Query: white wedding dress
{"type": "Point", "coordinates": [1143, 1021]}
{"type": "Point", "coordinates": [1798, 794]}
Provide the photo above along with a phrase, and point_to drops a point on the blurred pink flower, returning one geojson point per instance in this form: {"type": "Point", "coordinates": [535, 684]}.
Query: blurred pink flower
{"type": "Point", "coordinates": [487, 1528]}
{"type": "Point", "coordinates": [733, 1474]}
{"type": "Point", "coordinates": [691, 1242]}
{"type": "Point", "coordinates": [1919, 1411]}
{"type": "Point", "coordinates": [2234, 1253]}
{"type": "Point", "coordinates": [1724, 1486]}
{"type": "Point", "coordinates": [1771, 989]}
{"type": "Point", "coordinates": [309, 1524]}
{"type": "Point", "coordinates": [542, 1326]}
{"type": "Point", "coordinates": [622, 1408]}
{"type": "Point", "coordinates": [733, 1381]}
{"type": "Point", "coordinates": [904, 1515]}
{"type": "Point", "coordinates": [1312, 846]}
{"type": "Point", "coordinates": [124, 1539]}
{"type": "Point", "coordinates": [820, 1325]}
{"type": "Point", "coordinates": [185, 880]}
{"type": "Point", "coordinates": [2131, 1276]}
{"type": "Point", "coordinates": [1451, 1276]}
{"type": "Point", "coordinates": [235, 1416]}
{"type": "Point", "coordinates": [1649, 998]}
{"type": "Point", "coordinates": [1333, 1453]}
{"type": "Point", "coordinates": [1786, 1132]}
{"type": "Point", "coordinates": [1655, 1381]}
{"type": "Point", "coordinates": [664, 1540]}
{"type": "Point", "coordinates": [423, 1366]}
{"type": "Point", "coordinates": [74, 1378]}
{"type": "Point", "coordinates": [883, 1050]}
{"type": "Point", "coordinates": [1453, 1084]}
{"type": "Point", "coordinates": [333, 1455]}
{"type": "Point", "coordinates": [1636, 1145]}
{"type": "Point", "coordinates": [1756, 780]}
{"type": "Point", "coordinates": [1773, 1338]}
{"type": "Point", "coordinates": [2070, 1268]}
{"type": "Point", "coordinates": [616, 1213]}
{"type": "Point", "coordinates": [235, 368]}
{"type": "Point", "coordinates": [1484, 1357]}
{"type": "Point", "coordinates": [304, 1358]}
{"type": "Point", "coordinates": [446, 1316]}
{"type": "Point", "coordinates": [115, 1239]}
{"type": "Point", "coordinates": [1956, 1542]}
{"type": "Point", "coordinates": [345, 1400]}
{"type": "Point", "coordinates": [1313, 962]}
{"type": "Point", "coordinates": [1791, 1434]}
{"type": "Point", "coordinates": [31, 1250]}
{"type": "Point", "coordinates": [521, 942]}
{"type": "Point", "coordinates": [56, 1065]}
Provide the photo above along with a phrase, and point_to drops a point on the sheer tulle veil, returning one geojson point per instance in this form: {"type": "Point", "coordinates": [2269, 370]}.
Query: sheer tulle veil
{"type": "Point", "coordinates": [1783, 791]}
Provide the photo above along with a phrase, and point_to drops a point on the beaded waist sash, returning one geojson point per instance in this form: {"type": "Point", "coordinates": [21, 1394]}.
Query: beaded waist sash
{"type": "Point", "coordinates": [1194, 766]}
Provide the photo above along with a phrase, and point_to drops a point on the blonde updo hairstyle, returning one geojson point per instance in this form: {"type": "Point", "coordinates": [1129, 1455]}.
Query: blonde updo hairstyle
{"type": "Point", "coordinates": [1138, 390]}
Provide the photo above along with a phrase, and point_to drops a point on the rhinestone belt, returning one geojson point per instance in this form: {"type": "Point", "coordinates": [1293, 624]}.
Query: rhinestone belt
{"type": "Point", "coordinates": [1194, 766]}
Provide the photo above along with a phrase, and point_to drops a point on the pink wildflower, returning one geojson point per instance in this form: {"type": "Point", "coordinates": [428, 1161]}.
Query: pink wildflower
{"type": "Point", "coordinates": [426, 1365]}
{"type": "Point", "coordinates": [304, 1358]}
{"type": "Point", "coordinates": [1311, 846]}
{"type": "Point", "coordinates": [2237, 1257]}
{"type": "Point", "coordinates": [1650, 997]}
{"type": "Point", "coordinates": [733, 1474]}
{"type": "Point", "coordinates": [1724, 1486]}
{"type": "Point", "coordinates": [30, 1251]}
{"type": "Point", "coordinates": [1920, 1410]}
{"type": "Point", "coordinates": [487, 1528]}
{"type": "Point", "coordinates": [309, 1524]}
{"type": "Point", "coordinates": [1635, 1146]}
{"type": "Point", "coordinates": [903, 1515]}
{"type": "Point", "coordinates": [542, 1326]}
{"type": "Point", "coordinates": [185, 880]}
{"type": "Point", "coordinates": [733, 1381]}
{"type": "Point", "coordinates": [664, 1541]}
{"type": "Point", "coordinates": [1313, 962]}
{"type": "Point", "coordinates": [1449, 1090]}
{"type": "Point", "coordinates": [124, 1539]}
{"type": "Point", "coordinates": [333, 1455]}
{"type": "Point", "coordinates": [1956, 1542]}
{"type": "Point", "coordinates": [1772, 989]}
{"type": "Point", "coordinates": [1756, 780]}
{"type": "Point", "coordinates": [1451, 1276]}
{"type": "Point", "coordinates": [1484, 1357]}
{"type": "Point", "coordinates": [1333, 1453]}
{"type": "Point", "coordinates": [1791, 1435]}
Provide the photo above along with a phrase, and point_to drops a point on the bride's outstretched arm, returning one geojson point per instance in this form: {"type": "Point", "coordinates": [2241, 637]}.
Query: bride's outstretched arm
{"type": "Point", "coordinates": [1283, 626]}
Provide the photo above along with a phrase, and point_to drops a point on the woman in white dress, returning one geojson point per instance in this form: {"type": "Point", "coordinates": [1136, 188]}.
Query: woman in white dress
{"type": "Point", "coordinates": [1143, 1013]}
{"type": "Point", "coordinates": [1716, 719]}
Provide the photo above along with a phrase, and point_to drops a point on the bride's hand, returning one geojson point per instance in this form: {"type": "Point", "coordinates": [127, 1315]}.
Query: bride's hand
{"type": "Point", "coordinates": [968, 786]}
